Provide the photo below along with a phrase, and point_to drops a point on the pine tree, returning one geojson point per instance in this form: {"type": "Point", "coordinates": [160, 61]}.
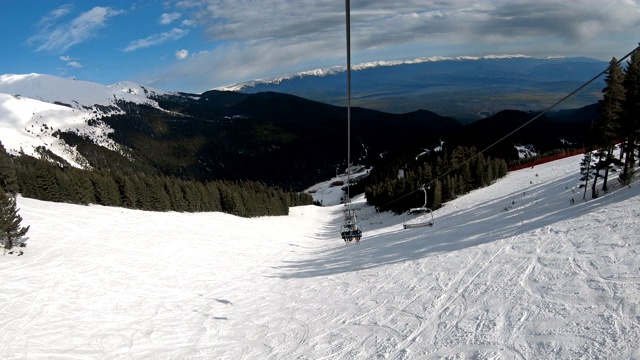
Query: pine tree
{"type": "Point", "coordinates": [10, 221]}
{"type": "Point", "coordinates": [176, 194]}
{"type": "Point", "coordinates": [46, 186]}
{"type": "Point", "coordinates": [597, 166]}
{"type": "Point", "coordinates": [610, 113]}
{"type": "Point", "coordinates": [84, 188]}
{"type": "Point", "coordinates": [143, 193]}
{"type": "Point", "coordinates": [127, 191]}
{"type": "Point", "coordinates": [8, 177]}
{"type": "Point", "coordinates": [194, 203]}
{"type": "Point", "coordinates": [437, 194]}
{"type": "Point", "coordinates": [213, 194]}
{"type": "Point", "coordinates": [489, 174]}
{"type": "Point", "coordinates": [231, 200]}
{"type": "Point", "coordinates": [479, 170]}
{"type": "Point", "coordinates": [501, 168]}
{"type": "Point", "coordinates": [631, 117]}
{"type": "Point", "coordinates": [106, 189]}
{"type": "Point", "coordinates": [449, 188]}
{"type": "Point", "coordinates": [586, 168]}
{"type": "Point", "coordinates": [160, 200]}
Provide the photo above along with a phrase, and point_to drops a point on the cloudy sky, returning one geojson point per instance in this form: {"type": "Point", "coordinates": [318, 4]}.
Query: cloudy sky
{"type": "Point", "coordinates": [197, 45]}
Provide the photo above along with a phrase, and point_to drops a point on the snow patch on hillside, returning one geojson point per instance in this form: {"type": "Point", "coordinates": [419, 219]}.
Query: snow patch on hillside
{"type": "Point", "coordinates": [77, 94]}
{"type": "Point", "coordinates": [127, 87]}
{"type": "Point", "coordinates": [34, 107]}
{"type": "Point", "coordinates": [29, 126]}
{"type": "Point", "coordinates": [526, 151]}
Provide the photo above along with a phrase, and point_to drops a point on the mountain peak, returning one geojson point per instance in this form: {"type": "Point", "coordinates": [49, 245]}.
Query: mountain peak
{"type": "Point", "coordinates": [39, 105]}
{"type": "Point", "coordinates": [77, 94]}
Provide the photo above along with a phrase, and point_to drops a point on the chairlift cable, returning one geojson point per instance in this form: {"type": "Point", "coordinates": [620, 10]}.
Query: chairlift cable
{"type": "Point", "coordinates": [518, 128]}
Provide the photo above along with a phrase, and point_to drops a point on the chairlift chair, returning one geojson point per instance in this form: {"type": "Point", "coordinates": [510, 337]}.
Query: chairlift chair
{"type": "Point", "coordinates": [422, 216]}
{"type": "Point", "coordinates": [350, 232]}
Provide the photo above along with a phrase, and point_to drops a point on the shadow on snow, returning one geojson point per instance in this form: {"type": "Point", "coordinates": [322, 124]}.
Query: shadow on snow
{"type": "Point", "coordinates": [536, 207]}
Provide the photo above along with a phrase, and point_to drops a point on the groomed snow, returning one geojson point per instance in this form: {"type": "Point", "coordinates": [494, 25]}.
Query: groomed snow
{"type": "Point", "coordinates": [512, 271]}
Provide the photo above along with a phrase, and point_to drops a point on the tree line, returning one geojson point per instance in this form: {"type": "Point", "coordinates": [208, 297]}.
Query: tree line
{"type": "Point", "coordinates": [11, 230]}
{"type": "Point", "coordinates": [444, 174]}
{"type": "Point", "coordinates": [619, 124]}
{"type": "Point", "coordinates": [40, 179]}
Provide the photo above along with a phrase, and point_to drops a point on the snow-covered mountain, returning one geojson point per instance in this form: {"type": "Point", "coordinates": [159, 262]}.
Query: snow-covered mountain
{"type": "Point", "coordinates": [76, 94]}
{"type": "Point", "coordinates": [333, 70]}
{"type": "Point", "coordinates": [33, 107]}
{"type": "Point", "coordinates": [511, 271]}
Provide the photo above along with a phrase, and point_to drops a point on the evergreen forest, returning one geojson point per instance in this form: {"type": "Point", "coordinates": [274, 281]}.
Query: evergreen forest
{"type": "Point", "coordinates": [613, 146]}
{"type": "Point", "coordinates": [40, 179]}
{"type": "Point", "coordinates": [394, 185]}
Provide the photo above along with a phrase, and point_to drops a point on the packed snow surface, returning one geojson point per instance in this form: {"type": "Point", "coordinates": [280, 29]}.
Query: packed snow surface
{"type": "Point", "coordinates": [511, 271]}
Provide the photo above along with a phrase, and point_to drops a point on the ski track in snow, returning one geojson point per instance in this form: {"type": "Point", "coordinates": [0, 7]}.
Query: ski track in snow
{"type": "Point", "coordinates": [511, 271]}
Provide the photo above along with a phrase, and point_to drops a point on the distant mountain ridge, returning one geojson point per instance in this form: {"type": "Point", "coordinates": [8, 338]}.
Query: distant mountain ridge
{"type": "Point", "coordinates": [333, 70]}
{"type": "Point", "coordinates": [467, 88]}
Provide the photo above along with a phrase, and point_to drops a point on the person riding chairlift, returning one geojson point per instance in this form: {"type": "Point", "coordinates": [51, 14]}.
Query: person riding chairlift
{"type": "Point", "coordinates": [346, 233]}
{"type": "Point", "coordinates": [356, 233]}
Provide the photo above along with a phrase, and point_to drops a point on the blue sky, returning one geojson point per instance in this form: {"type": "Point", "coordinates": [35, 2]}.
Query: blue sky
{"type": "Point", "coordinates": [197, 45]}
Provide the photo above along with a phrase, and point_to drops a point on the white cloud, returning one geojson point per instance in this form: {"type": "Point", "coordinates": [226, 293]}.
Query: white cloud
{"type": "Point", "coordinates": [182, 54]}
{"type": "Point", "coordinates": [59, 12]}
{"type": "Point", "coordinates": [379, 23]}
{"type": "Point", "coordinates": [156, 39]}
{"type": "Point", "coordinates": [188, 23]}
{"type": "Point", "coordinates": [71, 62]}
{"type": "Point", "coordinates": [273, 37]}
{"type": "Point", "coordinates": [232, 62]}
{"type": "Point", "coordinates": [166, 19]}
{"type": "Point", "coordinates": [59, 37]}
